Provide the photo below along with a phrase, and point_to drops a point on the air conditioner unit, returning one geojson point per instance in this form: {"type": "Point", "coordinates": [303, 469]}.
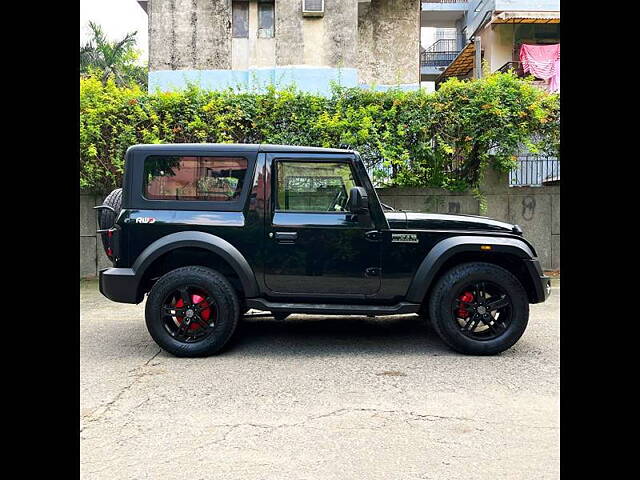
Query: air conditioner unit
{"type": "Point", "coordinates": [313, 8]}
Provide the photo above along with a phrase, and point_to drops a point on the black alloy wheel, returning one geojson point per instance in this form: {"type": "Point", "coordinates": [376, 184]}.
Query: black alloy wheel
{"type": "Point", "coordinates": [192, 311]}
{"type": "Point", "coordinates": [189, 314]}
{"type": "Point", "coordinates": [479, 308]}
{"type": "Point", "coordinates": [483, 310]}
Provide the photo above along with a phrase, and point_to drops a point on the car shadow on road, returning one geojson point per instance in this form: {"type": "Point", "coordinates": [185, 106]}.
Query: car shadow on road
{"type": "Point", "coordinates": [308, 336]}
{"type": "Point", "coordinates": [336, 335]}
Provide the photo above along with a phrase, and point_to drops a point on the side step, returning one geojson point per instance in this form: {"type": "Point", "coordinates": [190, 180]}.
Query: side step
{"type": "Point", "coordinates": [333, 309]}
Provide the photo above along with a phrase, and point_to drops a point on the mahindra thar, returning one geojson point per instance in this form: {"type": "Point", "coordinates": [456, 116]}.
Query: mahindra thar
{"type": "Point", "coordinates": [210, 231]}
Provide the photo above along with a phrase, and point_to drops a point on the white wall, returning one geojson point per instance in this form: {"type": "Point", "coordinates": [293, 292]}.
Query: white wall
{"type": "Point", "coordinates": [497, 43]}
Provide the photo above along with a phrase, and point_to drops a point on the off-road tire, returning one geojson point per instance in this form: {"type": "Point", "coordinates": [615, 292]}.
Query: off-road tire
{"type": "Point", "coordinates": [228, 310]}
{"type": "Point", "coordinates": [107, 218]}
{"type": "Point", "coordinates": [444, 323]}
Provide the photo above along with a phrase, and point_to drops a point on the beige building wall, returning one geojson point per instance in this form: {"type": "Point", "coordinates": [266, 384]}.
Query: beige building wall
{"type": "Point", "coordinates": [313, 35]}
{"type": "Point", "coordinates": [253, 51]}
{"type": "Point", "coordinates": [313, 41]}
{"type": "Point", "coordinates": [380, 38]}
{"type": "Point", "coordinates": [328, 41]}
{"type": "Point", "coordinates": [189, 34]}
{"type": "Point", "coordinates": [340, 36]}
{"type": "Point", "coordinates": [389, 42]}
{"type": "Point", "coordinates": [497, 43]}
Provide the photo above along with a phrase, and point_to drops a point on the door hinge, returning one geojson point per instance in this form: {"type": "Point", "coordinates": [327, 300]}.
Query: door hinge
{"type": "Point", "coordinates": [372, 272]}
{"type": "Point", "coordinates": [373, 236]}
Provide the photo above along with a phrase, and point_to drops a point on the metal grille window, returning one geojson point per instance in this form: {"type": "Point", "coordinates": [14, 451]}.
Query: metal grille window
{"type": "Point", "coordinates": [440, 54]}
{"type": "Point", "coordinates": [535, 171]}
{"type": "Point", "coordinates": [446, 33]}
{"type": "Point", "coordinates": [266, 19]}
{"type": "Point", "coordinates": [313, 7]}
{"type": "Point", "coordinates": [240, 19]}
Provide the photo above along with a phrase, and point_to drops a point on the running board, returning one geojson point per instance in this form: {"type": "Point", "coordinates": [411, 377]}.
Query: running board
{"type": "Point", "coordinates": [333, 308]}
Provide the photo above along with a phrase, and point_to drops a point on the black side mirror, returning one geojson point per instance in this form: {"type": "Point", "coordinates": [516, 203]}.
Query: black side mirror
{"type": "Point", "coordinates": [358, 200]}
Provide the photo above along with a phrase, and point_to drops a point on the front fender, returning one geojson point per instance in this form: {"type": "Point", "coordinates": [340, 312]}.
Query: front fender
{"type": "Point", "coordinates": [204, 240]}
{"type": "Point", "coordinates": [448, 247]}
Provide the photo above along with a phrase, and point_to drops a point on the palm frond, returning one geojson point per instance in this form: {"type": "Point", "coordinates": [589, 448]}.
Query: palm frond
{"type": "Point", "coordinates": [112, 58]}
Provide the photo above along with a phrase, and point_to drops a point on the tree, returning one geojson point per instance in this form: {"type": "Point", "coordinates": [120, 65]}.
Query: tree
{"type": "Point", "coordinates": [112, 59]}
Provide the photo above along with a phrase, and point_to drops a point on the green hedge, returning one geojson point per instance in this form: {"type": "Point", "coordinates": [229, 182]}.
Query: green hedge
{"type": "Point", "coordinates": [442, 139]}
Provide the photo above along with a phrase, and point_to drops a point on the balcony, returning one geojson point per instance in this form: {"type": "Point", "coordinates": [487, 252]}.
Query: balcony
{"type": "Point", "coordinates": [442, 13]}
{"type": "Point", "coordinates": [437, 57]}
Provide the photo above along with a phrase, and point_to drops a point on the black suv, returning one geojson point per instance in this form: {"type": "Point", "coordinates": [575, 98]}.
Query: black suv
{"type": "Point", "coordinates": [211, 231]}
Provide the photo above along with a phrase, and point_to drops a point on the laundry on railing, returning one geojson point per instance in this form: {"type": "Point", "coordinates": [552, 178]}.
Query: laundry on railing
{"type": "Point", "coordinates": [542, 61]}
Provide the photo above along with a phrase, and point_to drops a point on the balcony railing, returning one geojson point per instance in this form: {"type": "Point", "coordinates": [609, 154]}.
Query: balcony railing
{"type": "Point", "coordinates": [440, 54]}
{"type": "Point", "coordinates": [437, 59]}
{"type": "Point", "coordinates": [515, 66]}
{"type": "Point", "coordinates": [535, 171]}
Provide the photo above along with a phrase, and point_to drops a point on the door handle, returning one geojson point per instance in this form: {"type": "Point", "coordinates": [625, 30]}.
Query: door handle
{"type": "Point", "coordinates": [372, 272]}
{"type": "Point", "coordinates": [286, 237]}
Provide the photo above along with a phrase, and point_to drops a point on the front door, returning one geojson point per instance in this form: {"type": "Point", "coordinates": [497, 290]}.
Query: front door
{"type": "Point", "coordinates": [314, 245]}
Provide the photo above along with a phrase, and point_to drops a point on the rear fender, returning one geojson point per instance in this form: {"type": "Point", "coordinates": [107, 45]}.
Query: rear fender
{"type": "Point", "coordinates": [204, 240]}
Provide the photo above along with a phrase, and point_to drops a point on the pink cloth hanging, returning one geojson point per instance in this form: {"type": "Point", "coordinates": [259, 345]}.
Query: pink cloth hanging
{"type": "Point", "coordinates": [542, 61]}
{"type": "Point", "coordinates": [554, 82]}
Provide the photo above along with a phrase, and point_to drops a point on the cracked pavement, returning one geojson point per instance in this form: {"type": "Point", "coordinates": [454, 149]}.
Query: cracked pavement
{"type": "Point", "coordinates": [316, 398]}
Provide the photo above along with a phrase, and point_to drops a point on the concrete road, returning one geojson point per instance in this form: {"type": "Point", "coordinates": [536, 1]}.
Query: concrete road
{"type": "Point", "coordinates": [314, 398]}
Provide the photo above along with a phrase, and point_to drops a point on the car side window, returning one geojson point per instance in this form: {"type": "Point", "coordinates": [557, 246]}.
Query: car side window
{"type": "Point", "coordinates": [217, 179]}
{"type": "Point", "coordinates": [313, 186]}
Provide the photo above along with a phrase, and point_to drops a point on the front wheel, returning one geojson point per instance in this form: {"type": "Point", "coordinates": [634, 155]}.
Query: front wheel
{"type": "Point", "coordinates": [192, 311]}
{"type": "Point", "coordinates": [479, 308]}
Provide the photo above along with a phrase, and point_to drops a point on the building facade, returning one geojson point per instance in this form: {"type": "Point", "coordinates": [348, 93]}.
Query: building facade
{"type": "Point", "coordinates": [468, 38]}
{"type": "Point", "coordinates": [488, 32]}
{"type": "Point", "coordinates": [249, 44]}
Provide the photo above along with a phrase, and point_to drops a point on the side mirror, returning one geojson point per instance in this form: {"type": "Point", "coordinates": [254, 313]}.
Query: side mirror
{"type": "Point", "coordinates": [358, 200]}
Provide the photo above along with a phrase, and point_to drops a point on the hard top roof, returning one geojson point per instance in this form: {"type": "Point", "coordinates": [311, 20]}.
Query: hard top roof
{"type": "Point", "coordinates": [233, 147]}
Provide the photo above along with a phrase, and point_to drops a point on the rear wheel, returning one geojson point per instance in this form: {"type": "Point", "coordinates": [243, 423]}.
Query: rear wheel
{"type": "Point", "coordinates": [192, 312]}
{"type": "Point", "coordinates": [479, 308]}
